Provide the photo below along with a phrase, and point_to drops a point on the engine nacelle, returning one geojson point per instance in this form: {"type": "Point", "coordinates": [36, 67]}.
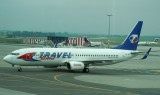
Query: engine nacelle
{"type": "Point", "coordinates": [75, 65]}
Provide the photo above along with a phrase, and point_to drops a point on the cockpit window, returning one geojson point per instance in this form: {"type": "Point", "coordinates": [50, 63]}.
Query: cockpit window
{"type": "Point", "coordinates": [14, 53]}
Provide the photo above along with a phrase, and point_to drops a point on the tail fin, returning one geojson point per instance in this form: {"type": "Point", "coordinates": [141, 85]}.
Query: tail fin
{"type": "Point", "coordinates": [55, 45]}
{"type": "Point", "coordinates": [88, 43]}
{"type": "Point", "coordinates": [156, 40]}
{"type": "Point", "coordinates": [86, 40]}
{"type": "Point", "coordinates": [131, 41]}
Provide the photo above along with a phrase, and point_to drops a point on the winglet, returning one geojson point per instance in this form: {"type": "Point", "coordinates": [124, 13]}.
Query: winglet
{"type": "Point", "coordinates": [145, 56]}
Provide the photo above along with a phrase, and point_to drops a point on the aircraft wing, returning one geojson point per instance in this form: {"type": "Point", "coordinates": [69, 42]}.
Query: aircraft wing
{"type": "Point", "coordinates": [96, 61]}
{"type": "Point", "coordinates": [145, 56]}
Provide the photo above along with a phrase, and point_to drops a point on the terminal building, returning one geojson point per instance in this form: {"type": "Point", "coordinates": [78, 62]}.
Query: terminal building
{"type": "Point", "coordinates": [56, 39]}
{"type": "Point", "coordinates": [74, 41]}
{"type": "Point", "coordinates": [33, 41]}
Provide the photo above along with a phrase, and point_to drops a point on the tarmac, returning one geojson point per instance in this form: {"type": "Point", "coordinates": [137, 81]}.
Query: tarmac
{"type": "Point", "coordinates": [132, 77]}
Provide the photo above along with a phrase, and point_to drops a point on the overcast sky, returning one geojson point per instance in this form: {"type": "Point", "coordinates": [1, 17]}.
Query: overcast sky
{"type": "Point", "coordinates": [80, 16]}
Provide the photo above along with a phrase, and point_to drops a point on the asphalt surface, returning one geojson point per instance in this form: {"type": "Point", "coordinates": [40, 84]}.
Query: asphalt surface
{"type": "Point", "coordinates": [133, 77]}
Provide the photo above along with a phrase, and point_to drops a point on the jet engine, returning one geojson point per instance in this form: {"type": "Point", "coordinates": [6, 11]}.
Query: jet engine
{"type": "Point", "coordinates": [75, 65]}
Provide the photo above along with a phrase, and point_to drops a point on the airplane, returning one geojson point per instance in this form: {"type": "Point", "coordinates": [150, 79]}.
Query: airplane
{"type": "Point", "coordinates": [92, 44]}
{"type": "Point", "coordinates": [77, 58]}
{"type": "Point", "coordinates": [149, 43]}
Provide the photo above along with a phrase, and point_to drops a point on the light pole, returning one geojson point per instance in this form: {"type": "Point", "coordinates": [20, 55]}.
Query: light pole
{"type": "Point", "coordinates": [109, 31]}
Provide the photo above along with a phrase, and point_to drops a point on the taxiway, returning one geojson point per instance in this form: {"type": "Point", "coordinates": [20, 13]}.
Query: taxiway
{"type": "Point", "coordinates": [133, 77]}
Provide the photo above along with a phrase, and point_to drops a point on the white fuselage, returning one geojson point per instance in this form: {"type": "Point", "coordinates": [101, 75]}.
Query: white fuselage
{"type": "Point", "coordinates": [147, 43]}
{"type": "Point", "coordinates": [58, 56]}
{"type": "Point", "coordinates": [95, 43]}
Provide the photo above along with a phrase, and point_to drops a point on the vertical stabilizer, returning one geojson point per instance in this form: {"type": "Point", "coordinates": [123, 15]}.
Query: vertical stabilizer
{"type": "Point", "coordinates": [156, 40]}
{"type": "Point", "coordinates": [131, 41]}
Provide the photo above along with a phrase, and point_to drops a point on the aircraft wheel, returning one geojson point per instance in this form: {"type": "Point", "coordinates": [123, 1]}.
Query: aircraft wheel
{"type": "Point", "coordinates": [86, 70]}
{"type": "Point", "coordinates": [20, 70]}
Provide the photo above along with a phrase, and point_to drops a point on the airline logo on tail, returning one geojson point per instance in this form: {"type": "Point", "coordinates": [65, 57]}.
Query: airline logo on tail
{"type": "Point", "coordinates": [133, 38]}
{"type": "Point", "coordinates": [156, 40]}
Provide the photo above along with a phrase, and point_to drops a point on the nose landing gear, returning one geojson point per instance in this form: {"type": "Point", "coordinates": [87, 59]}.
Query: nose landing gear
{"type": "Point", "coordinates": [19, 69]}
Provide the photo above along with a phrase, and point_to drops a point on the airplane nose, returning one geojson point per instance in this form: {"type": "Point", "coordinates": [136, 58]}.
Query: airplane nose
{"type": "Point", "coordinates": [6, 58]}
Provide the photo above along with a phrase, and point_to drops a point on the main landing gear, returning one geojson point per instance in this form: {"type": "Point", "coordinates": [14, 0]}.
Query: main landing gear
{"type": "Point", "coordinates": [86, 70]}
